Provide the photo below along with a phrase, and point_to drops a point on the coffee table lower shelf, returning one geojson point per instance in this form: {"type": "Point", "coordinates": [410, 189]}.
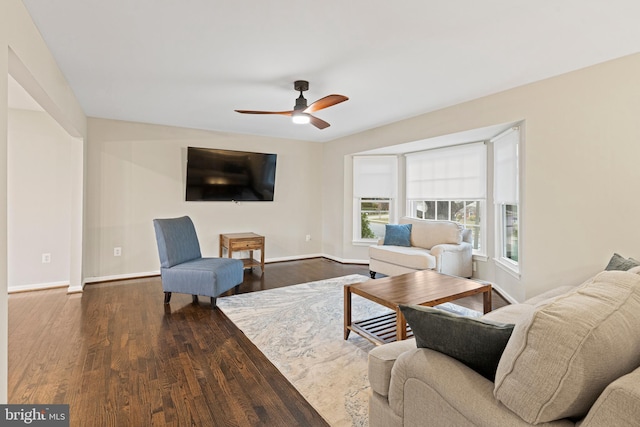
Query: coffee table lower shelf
{"type": "Point", "coordinates": [379, 330]}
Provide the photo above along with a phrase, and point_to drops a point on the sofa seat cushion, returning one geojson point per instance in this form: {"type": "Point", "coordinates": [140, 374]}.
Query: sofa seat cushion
{"type": "Point", "coordinates": [410, 257]}
{"type": "Point", "coordinates": [561, 357]}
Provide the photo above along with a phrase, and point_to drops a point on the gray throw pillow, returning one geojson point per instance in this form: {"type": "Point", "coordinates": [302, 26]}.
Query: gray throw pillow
{"type": "Point", "coordinates": [475, 342]}
{"type": "Point", "coordinates": [618, 262]}
{"type": "Point", "coordinates": [397, 234]}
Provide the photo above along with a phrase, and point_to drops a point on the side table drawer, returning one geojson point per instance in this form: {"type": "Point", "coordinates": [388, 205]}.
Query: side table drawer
{"type": "Point", "coordinates": [244, 245]}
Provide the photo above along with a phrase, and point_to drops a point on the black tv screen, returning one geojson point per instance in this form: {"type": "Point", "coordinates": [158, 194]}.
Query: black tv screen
{"type": "Point", "coordinates": [227, 175]}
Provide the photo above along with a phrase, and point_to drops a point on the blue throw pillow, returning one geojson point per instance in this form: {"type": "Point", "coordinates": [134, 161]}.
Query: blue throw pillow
{"type": "Point", "coordinates": [397, 234]}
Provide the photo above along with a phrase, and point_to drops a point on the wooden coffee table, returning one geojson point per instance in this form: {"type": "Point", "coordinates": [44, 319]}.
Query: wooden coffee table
{"type": "Point", "coordinates": [420, 288]}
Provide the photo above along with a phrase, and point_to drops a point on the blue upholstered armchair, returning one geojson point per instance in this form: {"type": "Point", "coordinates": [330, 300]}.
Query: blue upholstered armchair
{"type": "Point", "coordinates": [182, 267]}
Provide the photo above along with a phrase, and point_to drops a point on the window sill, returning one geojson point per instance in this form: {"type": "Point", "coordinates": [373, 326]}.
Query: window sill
{"type": "Point", "coordinates": [513, 270]}
{"type": "Point", "coordinates": [364, 242]}
{"type": "Point", "coordinates": [480, 257]}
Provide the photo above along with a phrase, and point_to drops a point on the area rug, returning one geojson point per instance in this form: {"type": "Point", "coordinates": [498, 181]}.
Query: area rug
{"type": "Point", "coordinates": [299, 329]}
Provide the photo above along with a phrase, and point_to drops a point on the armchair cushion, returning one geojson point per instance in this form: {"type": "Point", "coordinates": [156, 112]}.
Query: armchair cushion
{"type": "Point", "coordinates": [397, 235]}
{"type": "Point", "coordinates": [203, 276]}
{"type": "Point", "coordinates": [475, 342]}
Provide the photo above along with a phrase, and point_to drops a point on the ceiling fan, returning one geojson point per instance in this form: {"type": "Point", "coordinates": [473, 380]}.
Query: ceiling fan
{"type": "Point", "coordinates": [301, 113]}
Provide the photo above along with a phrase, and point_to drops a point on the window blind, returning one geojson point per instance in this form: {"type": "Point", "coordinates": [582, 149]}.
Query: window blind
{"type": "Point", "coordinates": [375, 176]}
{"type": "Point", "coordinates": [505, 168]}
{"type": "Point", "coordinates": [450, 173]}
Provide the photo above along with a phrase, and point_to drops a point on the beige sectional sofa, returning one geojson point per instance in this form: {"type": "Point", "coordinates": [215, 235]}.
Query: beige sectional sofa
{"type": "Point", "coordinates": [573, 358]}
{"type": "Point", "coordinates": [443, 246]}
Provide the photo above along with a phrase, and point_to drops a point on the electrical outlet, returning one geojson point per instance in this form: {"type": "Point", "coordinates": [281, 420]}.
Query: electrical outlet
{"type": "Point", "coordinates": [46, 258]}
{"type": "Point", "coordinates": [117, 251]}
{"type": "Point", "coordinates": [308, 237]}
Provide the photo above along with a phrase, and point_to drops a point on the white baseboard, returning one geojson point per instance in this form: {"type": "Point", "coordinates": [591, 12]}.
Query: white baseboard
{"type": "Point", "coordinates": [292, 258]}
{"type": "Point", "coordinates": [504, 294]}
{"type": "Point", "coordinates": [36, 287]}
{"type": "Point", "coordinates": [121, 277]}
{"type": "Point", "coordinates": [346, 260]}
{"type": "Point", "coordinates": [78, 289]}
{"type": "Point", "coordinates": [266, 261]}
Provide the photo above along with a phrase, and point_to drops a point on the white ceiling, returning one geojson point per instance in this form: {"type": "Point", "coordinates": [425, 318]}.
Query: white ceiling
{"type": "Point", "coordinates": [191, 63]}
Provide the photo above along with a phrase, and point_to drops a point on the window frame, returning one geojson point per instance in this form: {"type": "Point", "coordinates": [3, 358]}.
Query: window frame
{"type": "Point", "coordinates": [501, 202]}
{"type": "Point", "coordinates": [381, 191]}
{"type": "Point", "coordinates": [463, 153]}
{"type": "Point", "coordinates": [482, 243]}
{"type": "Point", "coordinates": [357, 223]}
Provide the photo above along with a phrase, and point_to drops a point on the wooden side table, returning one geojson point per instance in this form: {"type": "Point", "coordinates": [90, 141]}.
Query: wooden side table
{"type": "Point", "coordinates": [234, 242]}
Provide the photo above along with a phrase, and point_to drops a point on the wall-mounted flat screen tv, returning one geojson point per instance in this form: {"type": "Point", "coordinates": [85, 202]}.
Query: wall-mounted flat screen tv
{"type": "Point", "coordinates": [227, 175]}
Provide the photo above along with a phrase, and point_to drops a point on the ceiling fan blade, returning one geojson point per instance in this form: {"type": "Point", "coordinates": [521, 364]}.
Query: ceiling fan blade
{"type": "Point", "coordinates": [319, 123]}
{"type": "Point", "coordinates": [327, 101]}
{"type": "Point", "coordinates": [282, 113]}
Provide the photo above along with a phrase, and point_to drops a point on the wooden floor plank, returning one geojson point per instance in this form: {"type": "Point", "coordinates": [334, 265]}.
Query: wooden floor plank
{"type": "Point", "coordinates": [119, 357]}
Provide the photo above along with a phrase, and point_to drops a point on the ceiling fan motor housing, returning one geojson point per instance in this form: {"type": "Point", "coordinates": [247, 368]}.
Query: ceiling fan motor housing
{"type": "Point", "coordinates": [301, 102]}
{"type": "Point", "coordinates": [301, 85]}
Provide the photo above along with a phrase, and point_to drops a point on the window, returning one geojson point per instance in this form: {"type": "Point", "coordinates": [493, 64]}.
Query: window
{"type": "Point", "coordinates": [374, 215]}
{"type": "Point", "coordinates": [375, 185]}
{"type": "Point", "coordinates": [506, 196]}
{"type": "Point", "coordinates": [466, 212]}
{"type": "Point", "coordinates": [509, 218]}
{"type": "Point", "coordinates": [450, 184]}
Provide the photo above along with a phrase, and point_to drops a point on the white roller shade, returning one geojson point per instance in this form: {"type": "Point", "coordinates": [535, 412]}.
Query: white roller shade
{"type": "Point", "coordinates": [449, 173]}
{"type": "Point", "coordinates": [505, 168]}
{"type": "Point", "coordinates": [375, 176]}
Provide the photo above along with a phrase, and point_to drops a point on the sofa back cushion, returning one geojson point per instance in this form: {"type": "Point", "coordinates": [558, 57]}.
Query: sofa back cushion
{"type": "Point", "coordinates": [564, 353]}
{"type": "Point", "coordinates": [428, 233]}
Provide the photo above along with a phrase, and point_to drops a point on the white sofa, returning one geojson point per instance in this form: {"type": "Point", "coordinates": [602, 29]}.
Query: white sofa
{"type": "Point", "coordinates": [443, 246]}
{"type": "Point", "coordinates": [571, 360]}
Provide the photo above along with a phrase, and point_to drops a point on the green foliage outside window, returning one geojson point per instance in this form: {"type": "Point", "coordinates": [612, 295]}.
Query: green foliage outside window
{"type": "Point", "coordinates": [364, 227]}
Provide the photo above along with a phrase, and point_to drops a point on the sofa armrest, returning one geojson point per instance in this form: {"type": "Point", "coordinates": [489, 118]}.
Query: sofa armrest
{"type": "Point", "coordinates": [428, 385]}
{"type": "Point", "coordinates": [447, 247]}
{"type": "Point", "coordinates": [618, 403]}
{"type": "Point", "coordinates": [381, 360]}
{"type": "Point", "coordinates": [456, 260]}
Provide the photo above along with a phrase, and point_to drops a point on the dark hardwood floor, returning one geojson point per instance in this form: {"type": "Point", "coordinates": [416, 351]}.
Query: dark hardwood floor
{"type": "Point", "coordinates": [119, 357]}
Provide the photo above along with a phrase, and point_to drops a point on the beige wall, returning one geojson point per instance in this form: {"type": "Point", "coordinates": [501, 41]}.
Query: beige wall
{"type": "Point", "coordinates": [24, 54]}
{"type": "Point", "coordinates": [40, 169]}
{"type": "Point", "coordinates": [137, 173]}
{"type": "Point", "coordinates": [580, 169]}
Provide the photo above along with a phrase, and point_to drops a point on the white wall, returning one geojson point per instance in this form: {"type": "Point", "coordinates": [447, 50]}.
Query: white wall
{"type": "Point", "coordinates": [39, 200]}
{"type": "Point", "coordinates": [580, 170]}
{"type": "Point", "coordinates": [137, 173]}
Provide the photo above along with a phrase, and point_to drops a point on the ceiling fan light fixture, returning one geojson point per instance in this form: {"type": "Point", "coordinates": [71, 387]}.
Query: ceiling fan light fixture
{"type": "Point", "coordinates": [300, 118]}
{"type": "Point", "coordinates": [301, 113]}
